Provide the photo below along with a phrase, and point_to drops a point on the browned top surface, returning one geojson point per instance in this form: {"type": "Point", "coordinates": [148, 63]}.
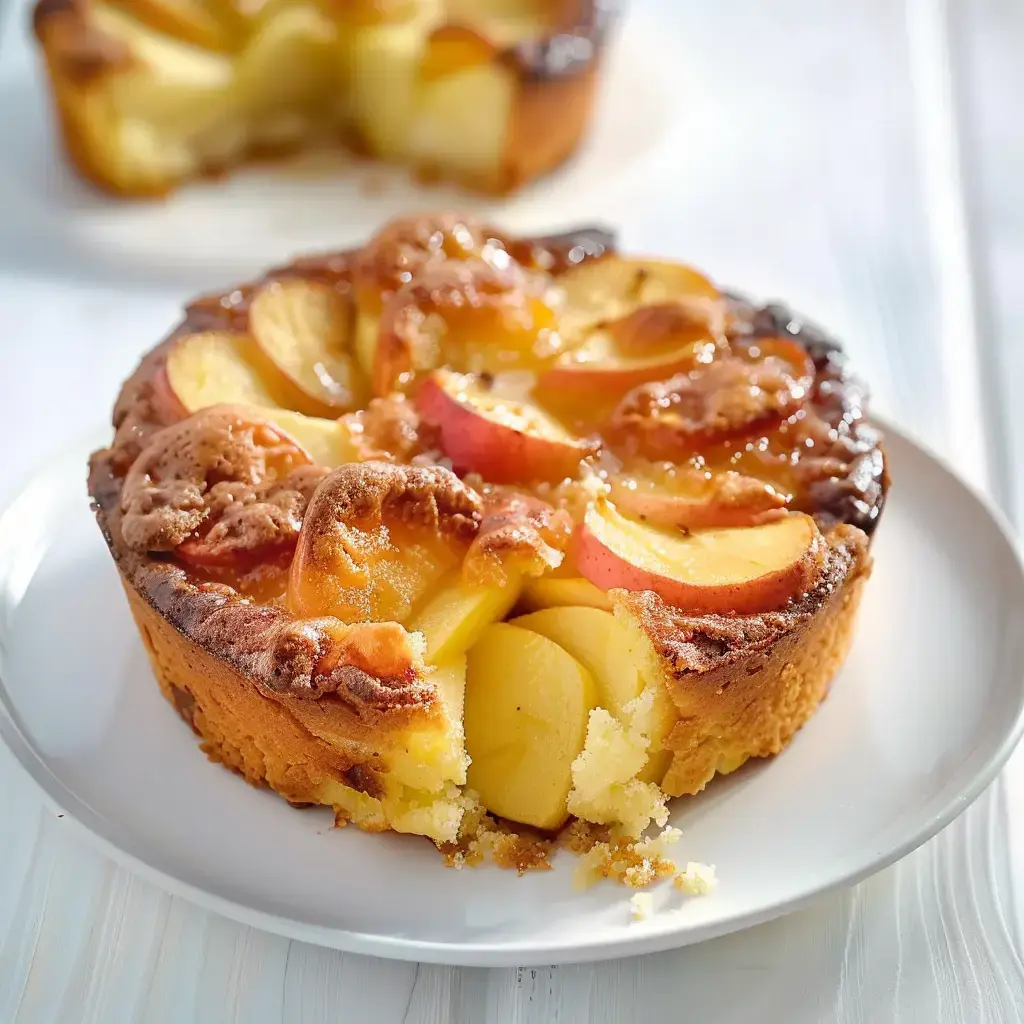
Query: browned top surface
{"type": "Point", "coordinates": [377, 668]}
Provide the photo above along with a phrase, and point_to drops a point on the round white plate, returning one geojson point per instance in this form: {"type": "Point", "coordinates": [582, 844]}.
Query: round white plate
{"type": "Point", "coordinates": [919, 721]}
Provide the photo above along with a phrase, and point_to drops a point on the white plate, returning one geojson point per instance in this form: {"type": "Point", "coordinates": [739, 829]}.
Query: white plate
{"type": "Point", "coordinates": [923, 715]}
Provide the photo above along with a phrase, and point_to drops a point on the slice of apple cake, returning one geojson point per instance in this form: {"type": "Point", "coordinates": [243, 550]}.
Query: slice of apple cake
{"type": "Point", "coordinates": [487, 93]}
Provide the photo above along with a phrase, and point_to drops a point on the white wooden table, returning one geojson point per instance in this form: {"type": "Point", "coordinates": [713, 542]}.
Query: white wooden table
{"type": "Point", "coordinates": [866, 161]}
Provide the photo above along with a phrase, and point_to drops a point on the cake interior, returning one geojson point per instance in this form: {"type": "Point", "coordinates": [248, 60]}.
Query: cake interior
{"type": "Point", "coordinates": [203, 85]}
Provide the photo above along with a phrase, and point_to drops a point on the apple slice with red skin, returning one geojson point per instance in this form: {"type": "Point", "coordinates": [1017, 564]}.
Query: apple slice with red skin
{"type": "Point", "coordinates": [504, 440]}
{"type": "Point", "coordinates": [724, 571]}
{"type": "Point", "coordinates": [627, 322]}
{"type": "Point", "coordinates": [601, 367]}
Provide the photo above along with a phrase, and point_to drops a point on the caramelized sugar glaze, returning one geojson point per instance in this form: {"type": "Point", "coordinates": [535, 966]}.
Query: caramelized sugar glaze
{"type": "Point", "coordinates": [510, 386]}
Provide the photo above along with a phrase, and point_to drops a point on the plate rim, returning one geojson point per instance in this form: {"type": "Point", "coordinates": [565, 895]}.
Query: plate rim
{"type": "Point", "coordinates": [57, 798]}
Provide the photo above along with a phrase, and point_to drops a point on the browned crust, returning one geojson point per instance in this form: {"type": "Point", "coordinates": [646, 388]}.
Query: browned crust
{"type": "Point", "coordinates": [546, 126]}
{"type": "Point", "coordinates": [557, 76]}
{"type": "Point", "coordinates": [296, 747]}
{"type": "Point", "coordinates": [307, 658]}
{"type": "Point", "coordinates": [743, 685]}
{"type": "Point", "coordinates": [73, 45]}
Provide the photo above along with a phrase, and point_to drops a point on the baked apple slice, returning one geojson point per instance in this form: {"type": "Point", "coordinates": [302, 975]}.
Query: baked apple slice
{"type": "Point", "coordinates": [730, 570]}
{"type": "Point", "coordinates": [504, 440]}
{"type": "Point", "coordinates": [745, 393]}
{"type": "Point", "coordinates": [224, 489]}
{"type": "Point", "coordinates": [305, 329]}
{"type": "Point", "coordinates": [629, 321]}
{"type": "Point", "coordinates": [454, 617]}
{"type": "Point", "coordinates": [220, 367]}
{"type": "Point", "coordinates": [664, 494]}
{"type": "Point", "coordinates": [526, 712]}
{"type": "Point", "coordinates": [286, 76]}
{"type": "Point", "coordinates": [606, 649]}
{"type": "Point", "coordinates": [463, 104]}
{"type": "Point", "coordinates": [468, 315]}
{"type": "Point", "coordinates": [175, 90]}
{"type": "Point", "coordinates": [554, 591]}
{"type": "Point", "coordinates": [377, 538]}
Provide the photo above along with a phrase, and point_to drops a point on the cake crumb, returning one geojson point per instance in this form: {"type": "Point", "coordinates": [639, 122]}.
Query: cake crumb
{"type": "Point", "coordinates": [631, 862]}
{"type": "Point", "coordinates": [696, 879]}
{"type": "Point", "coordinates": [521, 850]}
{"type": "Point", "coordinates": [641, 906]}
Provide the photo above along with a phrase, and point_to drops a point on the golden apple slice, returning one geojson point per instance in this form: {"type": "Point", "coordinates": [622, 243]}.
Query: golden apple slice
{"type": "Point", "coordinates": [504, 440]}
{"type": "Point", "coordinates": [556, 591]}
{"type": "Point", "coordinates": [605, 648]}
{"type": "Point", "coordinates": [463, 107]}
{"type": "Point", "coordinates": [213, 367]}
{"type": "Point", "coordinates": [599, 643]}
{"type": "Point", "coordinates": [219, 367]}
{"type": "Point", "coordinates": [381, 62]}
{"type": "Point", "coordinates": [600, 367]}
{"type": "Point", "coordinates": [730, 570]}
{"type": "Point", "coordinates": [329, 442]}
{"type": "Point", "coordinates": [453, 618]}
{"type": "Point", "coordinates": [174, 90]}
{"type": "Point", "coordinates": [305, 329]}
{"type": "Point", "coordinates": [628, 321]}
{"type": "Point", "coordinates": [601, 292]}
{"type": "Point", "coordinates": [527, 706]}
{"type": "Point", "coordinates": [286, 75]}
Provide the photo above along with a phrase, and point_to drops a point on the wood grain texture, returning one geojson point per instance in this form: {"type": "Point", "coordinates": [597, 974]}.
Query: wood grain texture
{"type": "Point", "coordinates": [867, 162]}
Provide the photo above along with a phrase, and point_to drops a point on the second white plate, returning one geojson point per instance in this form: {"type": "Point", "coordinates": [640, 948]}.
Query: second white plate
{"type": "Point", "coordinates": [924, 714]}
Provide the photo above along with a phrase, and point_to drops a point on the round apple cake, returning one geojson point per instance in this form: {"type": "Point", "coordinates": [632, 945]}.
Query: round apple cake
{"type": "Point", "coordinates": [487, 93]}
{"type": "Point", "coordinates": [461, 527]}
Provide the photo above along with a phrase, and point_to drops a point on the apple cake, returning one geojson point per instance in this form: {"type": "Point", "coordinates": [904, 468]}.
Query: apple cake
{"type": "Point", "coordinates": [486, 93]}
{"type": "Point", "coordinates": [463, 528]}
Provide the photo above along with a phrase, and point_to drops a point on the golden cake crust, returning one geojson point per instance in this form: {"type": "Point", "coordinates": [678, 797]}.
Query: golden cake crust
{"type": "Point", "coordinates": [743, 685]}
{"type": "Point", "coordinates": [319, 710]}
{"type": "Point", "coordinates": [556, 77]}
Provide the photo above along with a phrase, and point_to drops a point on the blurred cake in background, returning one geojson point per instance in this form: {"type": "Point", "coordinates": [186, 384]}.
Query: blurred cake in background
{"type": "Point", "coordinates": [489, 94]}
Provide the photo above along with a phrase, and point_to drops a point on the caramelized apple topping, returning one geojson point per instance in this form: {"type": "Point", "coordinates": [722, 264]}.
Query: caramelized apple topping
{"type": "Point", "coordinates": [518, 533]}
{"type": "Point", "coordinates": [542, 370]}
{"type": "Point", "coordinates": [366, 494]}
{"type": "Point", "coordinates": [221, 465]}
{"type": "Point", "coordinates": [468, 315]}
{"type": "Point", "coordinates": [377, 537]}
{"type": "Point", "coordinates": [724, 397]}
{"type": "Point", "coordinates": [405, 246]}
{"type": "Point", "coordinates": [390, 430]}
